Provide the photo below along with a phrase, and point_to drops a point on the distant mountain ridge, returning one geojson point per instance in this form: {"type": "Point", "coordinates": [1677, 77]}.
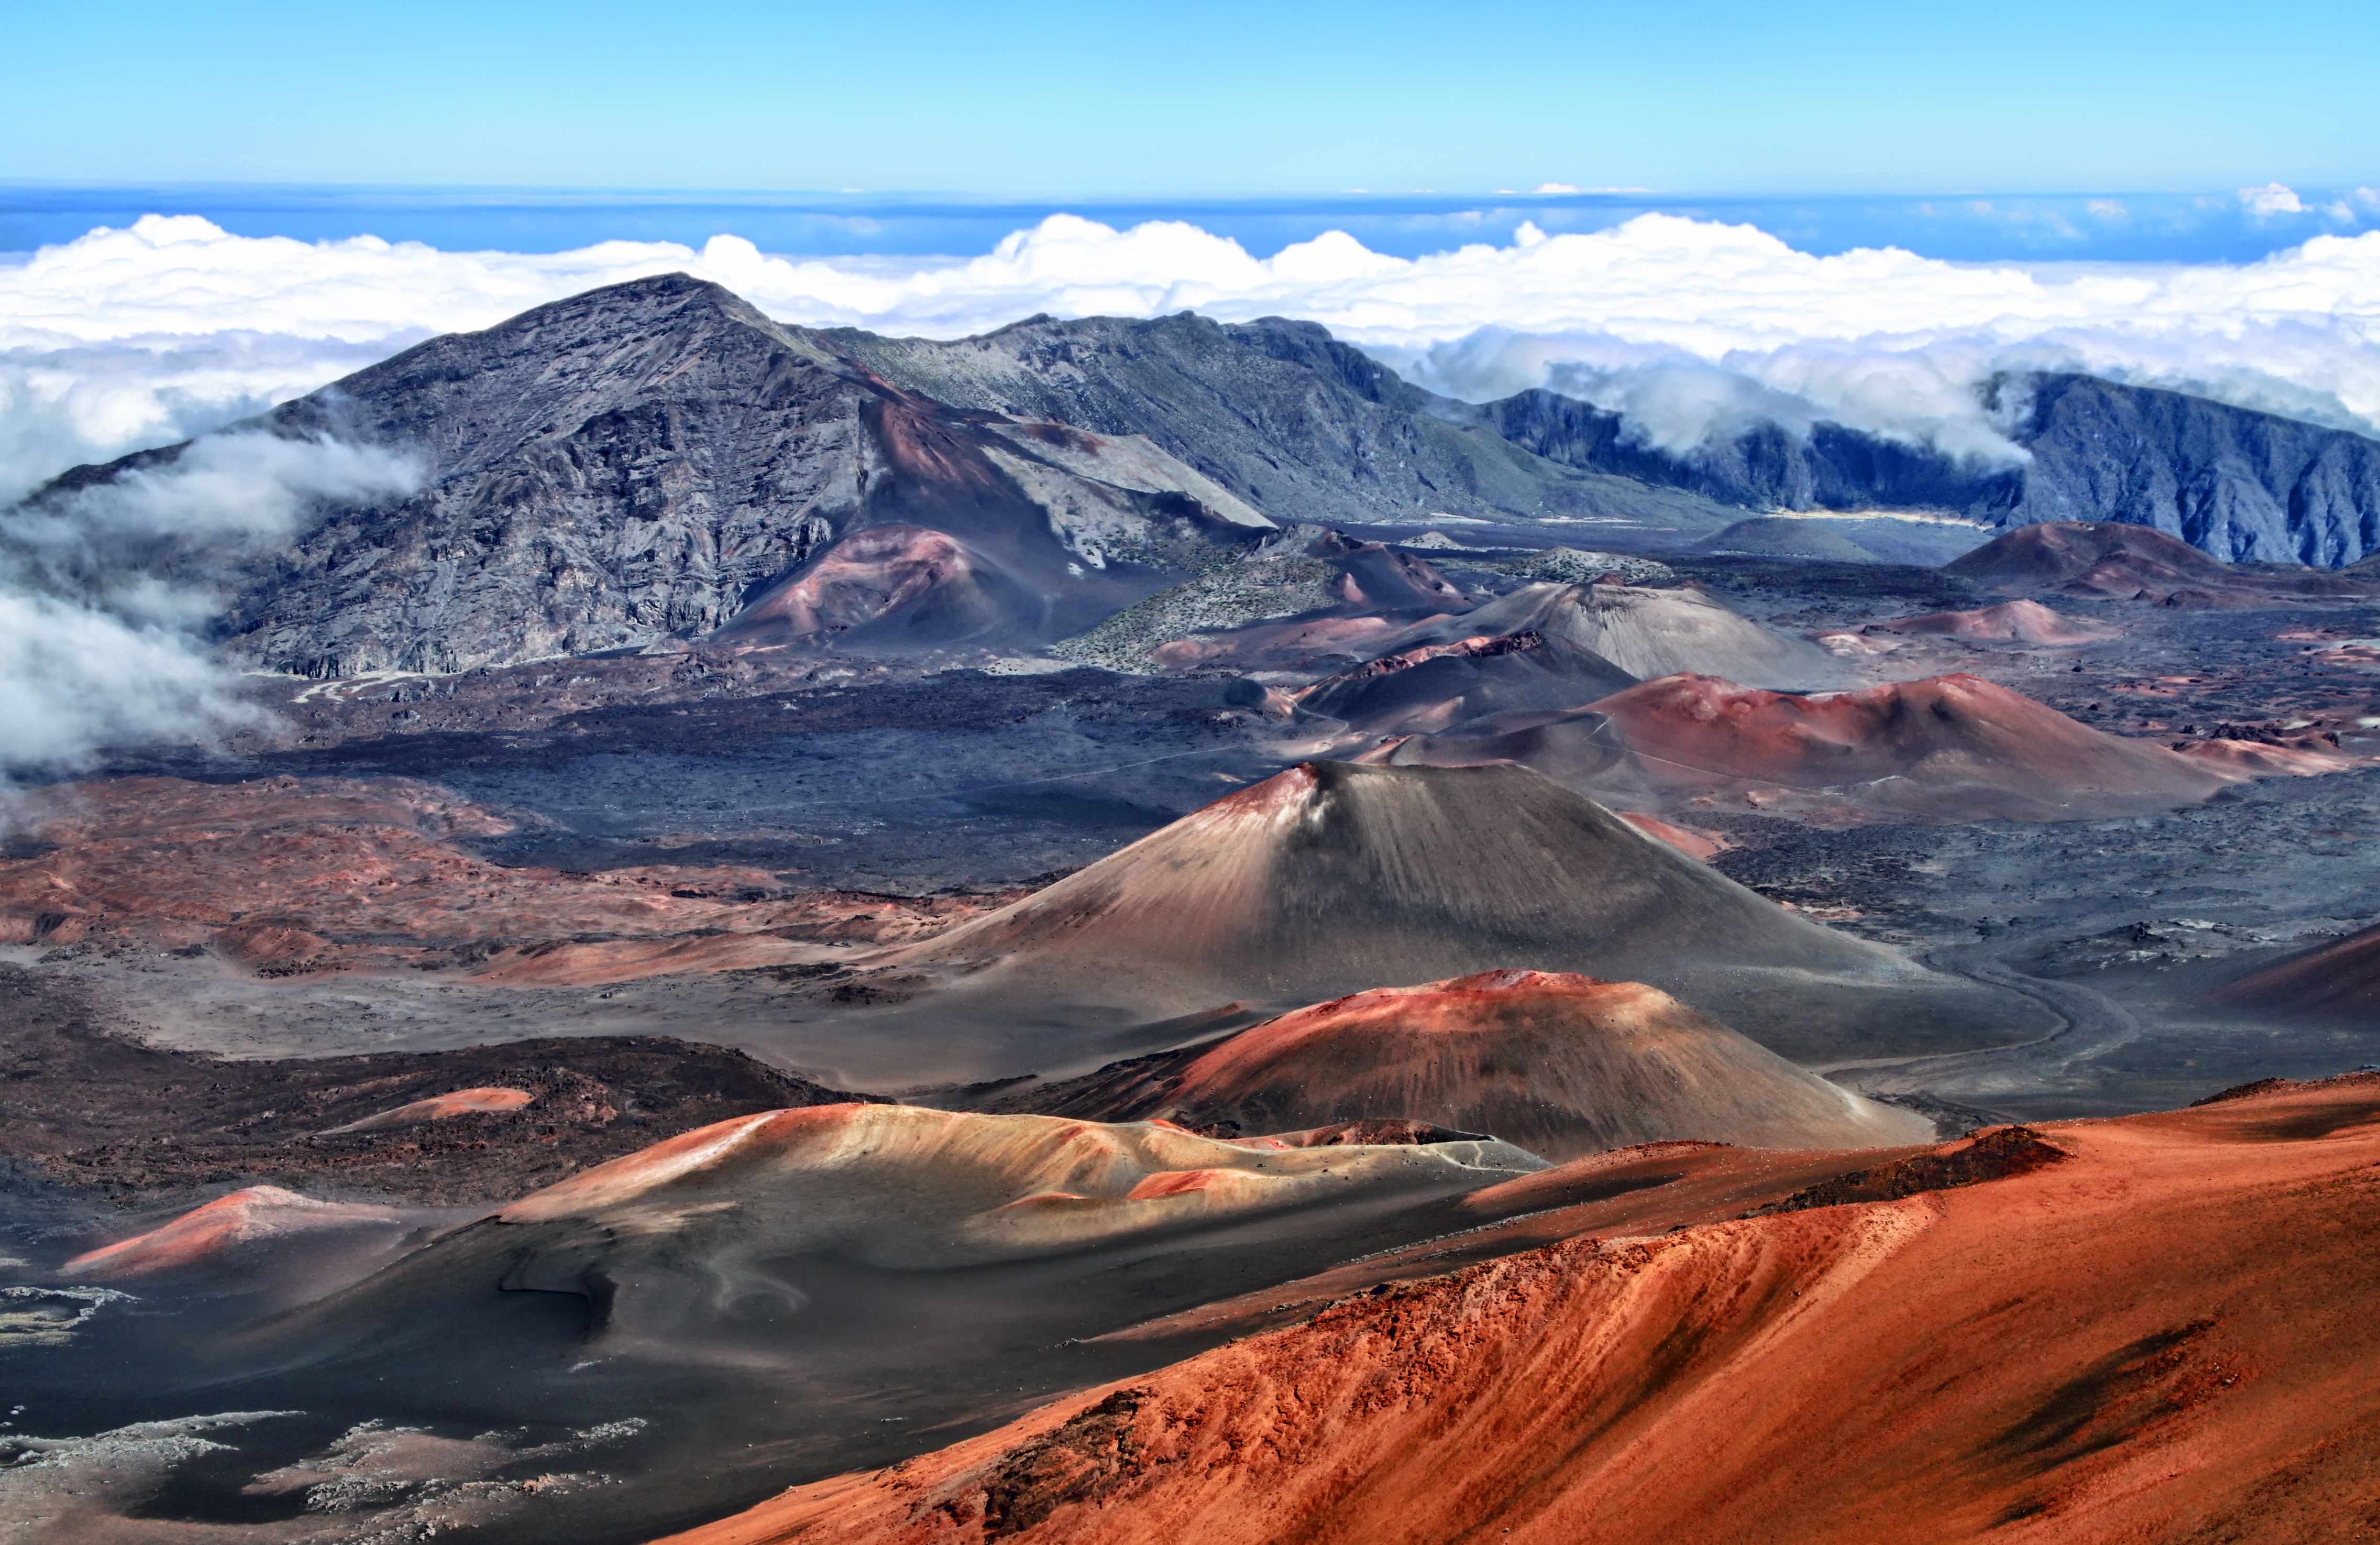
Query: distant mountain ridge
{"type": "Point", "coordinates": [658, 461]}
{"type": "Point", "coordinates": [1290, 419]}
{"type": "Point", "coordinates": [2233, 482]}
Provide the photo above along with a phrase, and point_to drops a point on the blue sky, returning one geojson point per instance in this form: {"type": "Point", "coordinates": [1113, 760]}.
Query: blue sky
{"type": "Point", "coordinates": [1059, 99]}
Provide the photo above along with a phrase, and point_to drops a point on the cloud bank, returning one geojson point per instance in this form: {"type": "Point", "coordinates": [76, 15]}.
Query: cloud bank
{"type": "Point", "coordinates": [140, 335]}
{"type": "Point", "coordinates": [107, 593]}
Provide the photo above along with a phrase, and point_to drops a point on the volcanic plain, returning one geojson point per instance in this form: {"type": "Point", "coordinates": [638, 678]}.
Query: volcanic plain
{"type": "Point", "coordinates": [1142, 932]}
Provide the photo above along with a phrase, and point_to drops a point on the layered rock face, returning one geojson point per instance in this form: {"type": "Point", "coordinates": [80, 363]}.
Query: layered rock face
{"type": "Point", "coordinates": [2231, 481]}
{"type": "Point", "coordinates": [654, 460]}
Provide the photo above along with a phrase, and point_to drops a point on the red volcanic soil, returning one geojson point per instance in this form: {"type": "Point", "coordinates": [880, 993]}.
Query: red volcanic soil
{"type": "Point", "coordinates": [290, 875]}
{"type": "Point", "coordinates": [2340, 979]}
{"type": "Point", "coordinates": [1685, 839]}
{"type": "Point", "coordinates": [1954, 747]}
{"type": "Point", "coordinates": [867, 576]}
{"type": "Point", "coordinates": [2022, 622]}
{"type": "Point", "coordinates": [1559, 1065]}
{"type": "Point", "coordinates": [2112, 561]}
{"type": "Point", "coordinates": [209, 1233]}
{"type": "Point", "coordinates": [2156, 1328]}
{"type": "Point", "coordinates": [442, 1107]}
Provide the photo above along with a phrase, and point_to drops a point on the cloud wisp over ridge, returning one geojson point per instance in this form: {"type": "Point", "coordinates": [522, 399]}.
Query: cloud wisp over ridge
{"type": "Point", "coordinates": [108, 593]}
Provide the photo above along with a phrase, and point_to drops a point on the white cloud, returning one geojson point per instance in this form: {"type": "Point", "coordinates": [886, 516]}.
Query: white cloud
{"type": "Point", "coordinates": [106, 593]}
{"type": "Point", "coordinates": [1557, 187]}
{"type": "Point", "coordinates": [126, 338]}
{"type": "Point", "coordinates": [2271, 202]}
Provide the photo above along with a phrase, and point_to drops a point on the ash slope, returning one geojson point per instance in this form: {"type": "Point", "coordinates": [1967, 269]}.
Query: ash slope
{"type": "Point", "coordinates": [2158, 1327]}
{"type": "Point", "coordinates": [1954, 748]}
{"type": "Point", "coordinates": [1330, 878]}
{"type": "Point", "coordinates": [1559, 1065]}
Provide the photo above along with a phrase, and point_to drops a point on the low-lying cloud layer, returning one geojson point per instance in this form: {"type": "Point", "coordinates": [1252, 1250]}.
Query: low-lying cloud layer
{"type": "Point", "coordinates": [137, 336]}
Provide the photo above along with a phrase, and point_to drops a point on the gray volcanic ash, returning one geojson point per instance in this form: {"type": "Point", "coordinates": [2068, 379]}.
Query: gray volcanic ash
{"type": "Point", "coordinates": [1559, 1065]}
{"type": "Point", "coordinates": [1330, 878]}
{"type": "Point", "coordinates": [2339, 980]}
{"type": "Point", "coordinates": [1432, 685]}
{"type": "Point", "coordinates": [1644, 632]}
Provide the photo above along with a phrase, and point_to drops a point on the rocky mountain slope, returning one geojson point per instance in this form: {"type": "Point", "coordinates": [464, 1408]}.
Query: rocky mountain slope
{"type": "Point", "coordinates": [646, 461]}
{"type": "Point", "coordinates": [658, 461]}
{"type": "Point", "coordinates": [2230, 480]}
{"type": "Point", "coordinates": [1288, 417]}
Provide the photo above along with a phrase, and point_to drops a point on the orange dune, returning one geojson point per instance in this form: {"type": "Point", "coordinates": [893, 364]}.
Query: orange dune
{"type": "Point", "coordinates": [903, 1185]}
{"type": "Point", "coordinates": [439, 1107]}
{"type": "Point", "coordinates": [2023, 622]}
{"type": "Point", "coordinates": [206, 1233]}
{"type": "Point", "coordinates": [1558, 1065]}
{"type": "Point", "coordinates": [2154, 1328]}
{"type": "Point", "coordinates": [1952, 747]}
{"type": "Point", "coordinates": [2340, 978]}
